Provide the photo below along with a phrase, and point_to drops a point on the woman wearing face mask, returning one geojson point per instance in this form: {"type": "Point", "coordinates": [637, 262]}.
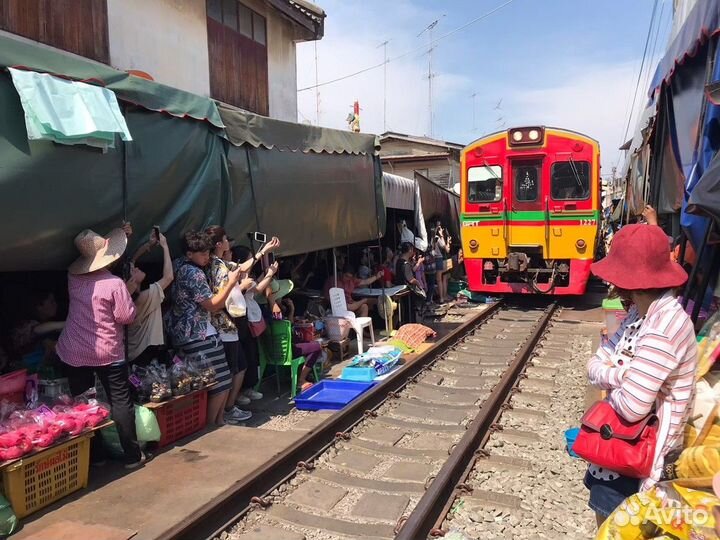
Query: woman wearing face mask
{"type": "Point", "coordinates": [648, 366]}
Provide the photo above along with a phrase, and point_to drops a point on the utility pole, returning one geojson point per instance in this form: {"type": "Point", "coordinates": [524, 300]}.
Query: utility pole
{"type": "Point", "coordinates": [317, 89]}
{"type": "Point", "coordinates": [429, 30]}
{"type": "Point", "coordinates": [385, 62]}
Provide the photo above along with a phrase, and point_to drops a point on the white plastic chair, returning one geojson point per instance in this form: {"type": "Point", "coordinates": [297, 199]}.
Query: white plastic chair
{"type": "Point", "coordinates": [339, 309]}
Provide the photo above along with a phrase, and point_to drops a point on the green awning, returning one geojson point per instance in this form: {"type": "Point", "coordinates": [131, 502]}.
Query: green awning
{"type": "Point", "coordinates": [21, 53]}
{"type": "Point", "coordinates": [242, 127]}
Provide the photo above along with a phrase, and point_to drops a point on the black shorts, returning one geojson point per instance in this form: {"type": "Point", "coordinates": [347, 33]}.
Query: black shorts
{"type": "Point", "coordinates": [235, 357]}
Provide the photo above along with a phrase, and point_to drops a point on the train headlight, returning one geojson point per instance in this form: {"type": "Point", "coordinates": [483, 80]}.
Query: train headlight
{"type": "Point", "coordinates": [473, 245]}
{"type": "Point", "coordinates": [580, 244]}
{"type": "Point", "coordinates": [526, 136]}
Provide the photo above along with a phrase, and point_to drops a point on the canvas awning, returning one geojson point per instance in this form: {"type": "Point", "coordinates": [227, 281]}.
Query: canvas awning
{"type": "Point", "coordinates": [399, 192]}
{"type": "Point", "coordinates": [404, 194]}
{"type": "Point", "coordinates": [702, 23]}
{"type": "Point", "coordinates": [25, 54]}
{"type": "Point", "coordinates": [242, 127]}
{"type": "Point", "coordinates": [440, 204]}
{"type": "Point", "coordinates": [705, 198]}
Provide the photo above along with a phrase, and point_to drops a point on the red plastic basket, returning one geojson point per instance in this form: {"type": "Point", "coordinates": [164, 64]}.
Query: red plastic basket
{"type": "Point", "coordinates": [181, 417]}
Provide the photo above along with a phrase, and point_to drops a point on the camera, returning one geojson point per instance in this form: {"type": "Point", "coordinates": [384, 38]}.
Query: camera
{"type": "Point", "coordinates": [260, 237]}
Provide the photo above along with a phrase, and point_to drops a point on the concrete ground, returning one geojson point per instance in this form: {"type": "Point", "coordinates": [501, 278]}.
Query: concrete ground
{"type": "Point", "coordinates": [142, 504]}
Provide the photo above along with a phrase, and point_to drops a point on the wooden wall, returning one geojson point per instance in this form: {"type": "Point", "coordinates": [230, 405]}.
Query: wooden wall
{"type": "Point", "coordinates": [77, 26]}
{"type": "Point", "coordinates": [238, 69]}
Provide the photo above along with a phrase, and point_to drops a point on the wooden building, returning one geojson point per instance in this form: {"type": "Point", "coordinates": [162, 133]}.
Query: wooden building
{"type": "Point", "coordinates": [239, 52]}
{"type": "Point", "coordinates": [406, 155]}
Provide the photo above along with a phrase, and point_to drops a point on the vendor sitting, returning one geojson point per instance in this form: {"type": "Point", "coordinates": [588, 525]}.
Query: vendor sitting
{"type": "Point", "coordinates": [34, 336]}
{"type": "Point", "coordinates": [348, 282]}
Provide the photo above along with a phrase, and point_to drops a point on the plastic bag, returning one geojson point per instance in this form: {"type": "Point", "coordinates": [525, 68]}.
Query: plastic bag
{"type": "Point", "coordinates": [703, 426]}
{"type": "Point", "coordinates": [146, 425]}
{"type": "Point", "coordinates": [180, 380]}
{"type": "Point", "coordinates": [8, 520]}
{"type": "Point", "coordinates": [628, 521]}
{"type": "Point", "coordinates": [159, 382]}
{"type": "Point", "coordinates": [697, 465]}
{"type": "Point", "coordinates": [207, 371]}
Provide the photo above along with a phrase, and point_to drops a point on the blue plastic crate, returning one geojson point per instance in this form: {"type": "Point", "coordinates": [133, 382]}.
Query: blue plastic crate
{"type": "Point", "coordinates": [330, 394]}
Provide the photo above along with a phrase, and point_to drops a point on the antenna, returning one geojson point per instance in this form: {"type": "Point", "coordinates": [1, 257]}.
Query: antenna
{"type": "Point", "coordinates": [385, 63]}
{"type": "Point", "coordinates": [317, 90]}
{"type": "Point", "coordinates": [429, 30]}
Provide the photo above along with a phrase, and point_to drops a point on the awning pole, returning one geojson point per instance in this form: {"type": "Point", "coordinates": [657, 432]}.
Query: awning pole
{"type": "Point", "coordinates": [335, 266]}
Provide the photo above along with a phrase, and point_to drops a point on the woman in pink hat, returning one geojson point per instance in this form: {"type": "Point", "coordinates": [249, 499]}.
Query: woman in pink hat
{"type": "Point", "coordinates": [649, 364]}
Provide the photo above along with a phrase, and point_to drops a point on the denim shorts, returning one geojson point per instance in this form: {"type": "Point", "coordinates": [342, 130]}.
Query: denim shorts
{"type": "Point", "coordinates": [607, 495]}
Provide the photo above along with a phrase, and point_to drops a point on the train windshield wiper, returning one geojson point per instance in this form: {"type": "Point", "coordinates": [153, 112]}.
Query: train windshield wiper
{"type": "Point", "coordinates": [576, 175]}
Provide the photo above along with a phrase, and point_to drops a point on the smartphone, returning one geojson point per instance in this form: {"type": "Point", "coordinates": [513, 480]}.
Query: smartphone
{"type": "Point", "coordinates": [156, 232]}
{"type": "Point", "coordinates": [260, 237]}
{"type": "Point", "coordinates": [271, 258]}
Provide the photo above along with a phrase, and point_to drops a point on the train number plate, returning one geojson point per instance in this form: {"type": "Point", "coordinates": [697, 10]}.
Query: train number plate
{"type": "Point", "coordinates": [588, 222]}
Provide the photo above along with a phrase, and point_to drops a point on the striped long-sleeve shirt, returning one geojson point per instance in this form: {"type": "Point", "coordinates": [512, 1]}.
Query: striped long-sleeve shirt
{"type": "Point", "coordinates": [649, 364]}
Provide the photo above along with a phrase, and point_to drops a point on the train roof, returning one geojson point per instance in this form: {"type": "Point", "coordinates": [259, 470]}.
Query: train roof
{"type": "Point", "coordinates": [521, 127]}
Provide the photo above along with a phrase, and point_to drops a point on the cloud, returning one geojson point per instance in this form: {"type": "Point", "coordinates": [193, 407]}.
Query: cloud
{"type": "Point", "coordinates": [568, 90]}
{"type": "Point", "coordinates": [591, 99]}
{"type": "Point", "coordinates": [344, 50]}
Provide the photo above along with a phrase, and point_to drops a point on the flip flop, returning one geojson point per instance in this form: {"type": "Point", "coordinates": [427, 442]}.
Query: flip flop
{"type": "Point", "coordinates": [306, 386]}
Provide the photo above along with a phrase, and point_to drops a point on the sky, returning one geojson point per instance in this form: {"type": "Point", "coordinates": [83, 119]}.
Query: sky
{"type": "Point", "coordinates": [564, 63]}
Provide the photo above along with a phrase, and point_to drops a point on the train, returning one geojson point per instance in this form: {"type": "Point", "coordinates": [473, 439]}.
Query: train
{"type": "Point", "coordinates": [530, 211]}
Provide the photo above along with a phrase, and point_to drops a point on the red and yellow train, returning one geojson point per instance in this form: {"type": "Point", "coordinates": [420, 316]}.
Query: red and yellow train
{"type": "Point", "coordinates": [530, 210]}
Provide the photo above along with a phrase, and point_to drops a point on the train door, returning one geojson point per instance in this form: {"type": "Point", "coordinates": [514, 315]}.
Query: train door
{"type": "Point", "coordinates": [527, 216]}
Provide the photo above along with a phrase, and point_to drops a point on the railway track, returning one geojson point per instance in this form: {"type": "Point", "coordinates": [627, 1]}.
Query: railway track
{"type": "Point", "coordinates": [391, 464]}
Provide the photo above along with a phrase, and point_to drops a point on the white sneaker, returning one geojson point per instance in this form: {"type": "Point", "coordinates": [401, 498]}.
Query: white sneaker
{"type": "Point", "coordinates": [237, 415]}
{"type": "Point", "coordinates": [252, 394]}
{"type": "Point", "coordinates": [242, 400]}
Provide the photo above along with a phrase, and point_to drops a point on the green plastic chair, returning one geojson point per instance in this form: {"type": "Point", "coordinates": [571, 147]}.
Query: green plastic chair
{"type": "Point", "coordinates": [275, 347]}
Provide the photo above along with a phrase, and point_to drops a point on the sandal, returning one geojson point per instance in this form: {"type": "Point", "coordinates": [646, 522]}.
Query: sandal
{"type": "Point", "coordinates": [306, 386]}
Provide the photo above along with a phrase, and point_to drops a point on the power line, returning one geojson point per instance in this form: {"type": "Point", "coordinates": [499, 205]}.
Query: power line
{"type": "Point", "coordinates": [640, 72]}
{"type": "Point", "coordinates": [412, 51]}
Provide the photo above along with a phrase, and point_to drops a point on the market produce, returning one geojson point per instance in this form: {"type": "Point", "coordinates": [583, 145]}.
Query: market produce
{"type": "Point", "coordinates": [25, 430]}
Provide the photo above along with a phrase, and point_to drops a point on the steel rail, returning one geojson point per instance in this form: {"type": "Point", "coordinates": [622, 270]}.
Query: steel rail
{"type": "Point", "coordinates": [231, 505]}
{"type": "Point", "coordinates": [424, 516]}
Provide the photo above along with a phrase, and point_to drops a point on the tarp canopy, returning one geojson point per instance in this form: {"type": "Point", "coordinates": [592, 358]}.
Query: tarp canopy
{"type": "Point", "coordinates": [311, 201]}
{"type": "Point", "coordinates": [701, 23]}
{"type": "Point", "coordinates": [440, 204]}
{"type": "Point", "coordinates": [49, 192]}
{"type": "Point", "coordinates": [705, 198]}
{"type": "Point", "coordinates": [25, 54]}
{"type": "Point", "coordinates": [399, 192]}
{"type": "Point", "coordinates": [404, 194]}
{"type": "Point", "coordinates": [242, 127]}
{"type": "Point", "coordinates": [180, 175]}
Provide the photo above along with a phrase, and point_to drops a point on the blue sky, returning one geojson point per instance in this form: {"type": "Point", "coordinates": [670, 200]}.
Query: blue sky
{"type": "Point", "coordinates": [568, 63]}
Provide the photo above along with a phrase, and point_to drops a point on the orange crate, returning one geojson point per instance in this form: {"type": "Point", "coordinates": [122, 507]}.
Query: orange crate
{"type": "Point", "coordinates": [181, 416]}
{"type": "Point", "coordinates": [33, 483]}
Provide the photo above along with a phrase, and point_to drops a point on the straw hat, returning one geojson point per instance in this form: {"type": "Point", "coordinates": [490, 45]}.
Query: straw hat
{"type": "Point", "coordinates": [281, 287]}
{"type": "Point", "coordinates": [639, 259]}
{"type": "Point", "coordinates": [278, 289]}
{"type": "Point", "coordinates": [97, 252]}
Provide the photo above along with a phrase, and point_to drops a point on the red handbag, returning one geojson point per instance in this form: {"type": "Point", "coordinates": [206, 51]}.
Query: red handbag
{"type": "Point", "coordinates": [609, 441]}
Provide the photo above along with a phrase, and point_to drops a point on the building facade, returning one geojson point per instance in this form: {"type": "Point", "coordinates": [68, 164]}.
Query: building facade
{"type": "Point", "coordinates": [405, 155]}
{"type": "Point", "coordinates": [238, 52]}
